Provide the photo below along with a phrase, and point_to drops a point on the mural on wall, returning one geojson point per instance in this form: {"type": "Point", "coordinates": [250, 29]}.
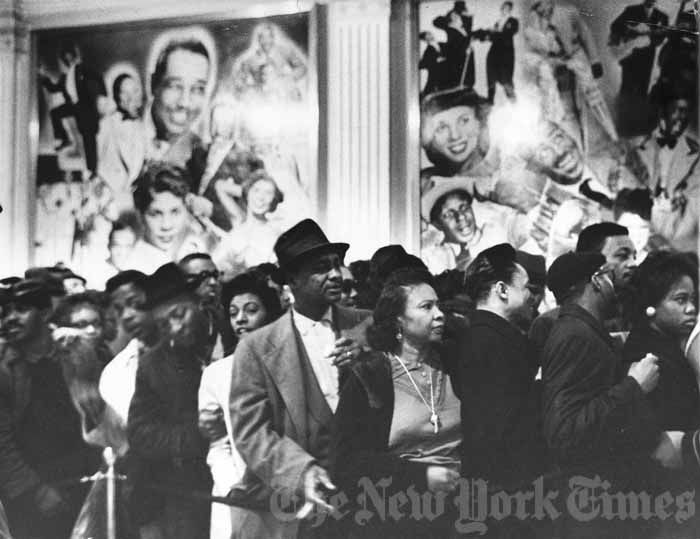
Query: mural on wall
{"type": "Point", "coordinates": [539, 117]}
{"type": "Point", "coordinates": [158, 141]}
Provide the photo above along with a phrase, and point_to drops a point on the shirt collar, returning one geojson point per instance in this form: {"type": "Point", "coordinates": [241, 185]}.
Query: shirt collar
{"type": "Point", "coordinates": [305, 324]}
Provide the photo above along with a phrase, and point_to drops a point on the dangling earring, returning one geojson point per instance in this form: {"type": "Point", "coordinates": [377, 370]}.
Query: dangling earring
{"type": "Point", "coordinates": [172, 343]}
{"type": "Point", "coordinates": [650, 311]}
{"type": "Point", "coordinates": [399, 335]}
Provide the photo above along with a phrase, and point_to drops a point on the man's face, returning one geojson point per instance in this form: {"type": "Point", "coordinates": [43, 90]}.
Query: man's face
{"type": "Point", "coordinates": [129, 305]}
{"type": "Point", "coordinates": [22, 322]}
{"type": "Point", "coordinates": [519, 303]}
{"type": "Point", "coordinates": [130, 97]}
{"type": "Point", "coordinates": [73, 285]}
{"type": "Point", "coordinates": [348, 298]}
{"type": "Point", "coordinates": [180, 96]}
{"type": "Point", "coordinates": [455, 133]}
{"type": "Point", "coordinates": [182, 322]}
{"type": "Point", "coordinates": [546, 8]}
{"type": "Point", "coordinates": [319, 280]}
{"type": "Point", "coordinates": [457, 220]}
{"type": "Point", "coordinates": [88, 319]}
{"type": "Point", "coordinates": [165, 220]}
{"type": "Point", "coordinates": [620, 255]}
{"type": "Point", "coordinates": [639, 228]}
{"type": "Point", "coordinates": [649, 3]}
{"type": "Point", "coordinates": [120, 247]}
{"type": "Point", "coordinates": [558, 155]}
{"type": "Point", "coordinates": [676, 117]}
{"type": "Point", "coordinates": [204, 272]}
{"type": "Point", "coordinates": [506, 9]}
{"type": "Point", "coordinates": [266, 39]}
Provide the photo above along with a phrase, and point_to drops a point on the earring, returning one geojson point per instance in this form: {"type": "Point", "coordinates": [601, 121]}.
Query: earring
{"type": "Point", "coordinates": [399, 335]}
{"type": "Point", "coordinates": [650, 311]}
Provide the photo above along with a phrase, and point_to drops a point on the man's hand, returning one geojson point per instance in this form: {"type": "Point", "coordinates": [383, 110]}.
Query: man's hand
{"type": "Point", "coordinates": [314, 481]}
{"type": "Point", "coordinates": [211, 424]}
{"type": "Point", "coordinates": [345, 351]}
{"type": "Point", "coordinates": [646, 372]}
{"type": "Point", "coordinates": [441, 479]}
{"type": "Point", "coordinates": [669, 453]}
{"type": "Point", "coordinates": [49, 501]}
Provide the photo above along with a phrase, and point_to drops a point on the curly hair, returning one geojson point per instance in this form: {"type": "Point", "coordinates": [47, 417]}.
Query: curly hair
{"type": "Point", "coordinates": [252, 283]}
{"type": "Point", "coordinates": [259, 176]}
{"type": "Point", "coordinates": [653, 279]}
{"type": "Point", "coordinates": [159, 178]}
{"type": "Point", "coordinates": [381, 335]}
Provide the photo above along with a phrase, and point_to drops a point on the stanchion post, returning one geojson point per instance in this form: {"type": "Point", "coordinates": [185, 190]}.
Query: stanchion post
{"type": "Point", "coordinates": [111, 478]}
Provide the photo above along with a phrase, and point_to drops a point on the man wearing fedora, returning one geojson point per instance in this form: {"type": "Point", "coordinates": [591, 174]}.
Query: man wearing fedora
{"type": "Point", "coordinates": [284, 391]}
{"type": "Point", "coordinates": [39, 426]}
{"type": "Point", "coordinates": [165, 445]}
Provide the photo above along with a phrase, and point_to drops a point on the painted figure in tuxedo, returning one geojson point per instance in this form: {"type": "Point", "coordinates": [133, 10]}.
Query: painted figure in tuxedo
{"type": "Point", "coordinates": [671, 154]}
{"type": "Point", "coordinates": [81, 88]}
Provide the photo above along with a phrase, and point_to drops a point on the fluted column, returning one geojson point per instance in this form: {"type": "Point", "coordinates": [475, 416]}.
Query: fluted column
{"type": "Point", "coordinates": [356, 124]}
{"type": "Point", "coordinates": [16, 193]}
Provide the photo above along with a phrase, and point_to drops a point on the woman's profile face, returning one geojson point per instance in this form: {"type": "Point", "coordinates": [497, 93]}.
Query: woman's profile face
{"type": "Point", "coordinates": [260, 197]}
{"type": "Point", "coordinates": [676, 313]}
{"type": "Point", "coordinates": [246, 313]}
{"type": "Point", "coordinates": [422, 321]}
{"type": "Point", "coordinates": [165, 220]}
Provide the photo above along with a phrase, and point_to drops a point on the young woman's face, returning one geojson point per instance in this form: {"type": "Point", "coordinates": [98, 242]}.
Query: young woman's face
{"type": "Point", "coordinates": [676, 313]}
{"type": "Point", "coordinates": [260, 197]}
{"type": "Point", "coordinates": [455, 133]}
{"type": "Point", "coordinates": [246, 313]}
{"type": "Point", "coordinates": [422, 320]}
{"type": "Point", "coordinates": [165, 220]}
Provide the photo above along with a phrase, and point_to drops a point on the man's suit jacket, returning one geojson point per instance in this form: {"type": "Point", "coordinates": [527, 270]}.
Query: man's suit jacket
{"type": "Point", "coordinates": [279, 417]}
{"type": "Point", "coordinates": [684, 163]}
{"type": "Point", "coordinates": [90, 86]}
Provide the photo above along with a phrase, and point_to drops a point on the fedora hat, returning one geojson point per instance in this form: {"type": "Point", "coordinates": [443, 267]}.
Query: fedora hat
{"type": "Point", "coordinates": [438, 188]}
{"type": "Point", "coordinates": [303, 240]}
{"type": "Point", "coordinates": [166, 283]}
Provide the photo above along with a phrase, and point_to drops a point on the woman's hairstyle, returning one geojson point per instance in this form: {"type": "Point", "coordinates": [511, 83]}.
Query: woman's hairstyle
{"type": "Point", "coordinates": [159, 178]}
{"type": "Point", "coordinates": [652, 281]}
{"type": "Point", "coordinates": [252, 283]}
{"type": "Point", "coordinates": [68, 304]}
{"type": "Point", "coordinates": [259, 176]}
{"type": "Point", "coordinates": [381, 335]}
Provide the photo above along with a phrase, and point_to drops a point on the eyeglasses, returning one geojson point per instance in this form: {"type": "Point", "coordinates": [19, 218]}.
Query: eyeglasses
{"type": "Point", "coordinates": [453, 215]}
{"type": "Point", "coordinates": [203, 276]}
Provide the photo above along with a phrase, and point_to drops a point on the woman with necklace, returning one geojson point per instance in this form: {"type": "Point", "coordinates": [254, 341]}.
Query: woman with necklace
{"type": "Point", "coordinates": [398, 416]}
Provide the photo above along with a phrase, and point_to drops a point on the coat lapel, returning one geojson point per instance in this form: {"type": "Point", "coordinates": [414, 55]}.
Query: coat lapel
{"type": "Point", "coordinates": [284, 365]}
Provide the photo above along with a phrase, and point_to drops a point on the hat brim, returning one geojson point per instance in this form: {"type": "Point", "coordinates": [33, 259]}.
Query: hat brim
{"type": "Point", "coordinates": [338, 248]}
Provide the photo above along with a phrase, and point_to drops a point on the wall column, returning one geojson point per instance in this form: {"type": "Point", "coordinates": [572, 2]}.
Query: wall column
{"type": "Point", "coordinates": [355, 124]}
{"type": "Point", "coordinates": [16, 194]}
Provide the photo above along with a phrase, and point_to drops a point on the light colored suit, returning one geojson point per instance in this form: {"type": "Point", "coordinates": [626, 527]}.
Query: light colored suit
{"type": "Point", "coordinates": [280, 419]}
{"type": "Point", "coordinates": [675, 213]}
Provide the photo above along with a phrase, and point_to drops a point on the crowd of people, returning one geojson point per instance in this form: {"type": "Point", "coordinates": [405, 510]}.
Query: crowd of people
{"type": "Point", "coordinates": [315, 398]}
